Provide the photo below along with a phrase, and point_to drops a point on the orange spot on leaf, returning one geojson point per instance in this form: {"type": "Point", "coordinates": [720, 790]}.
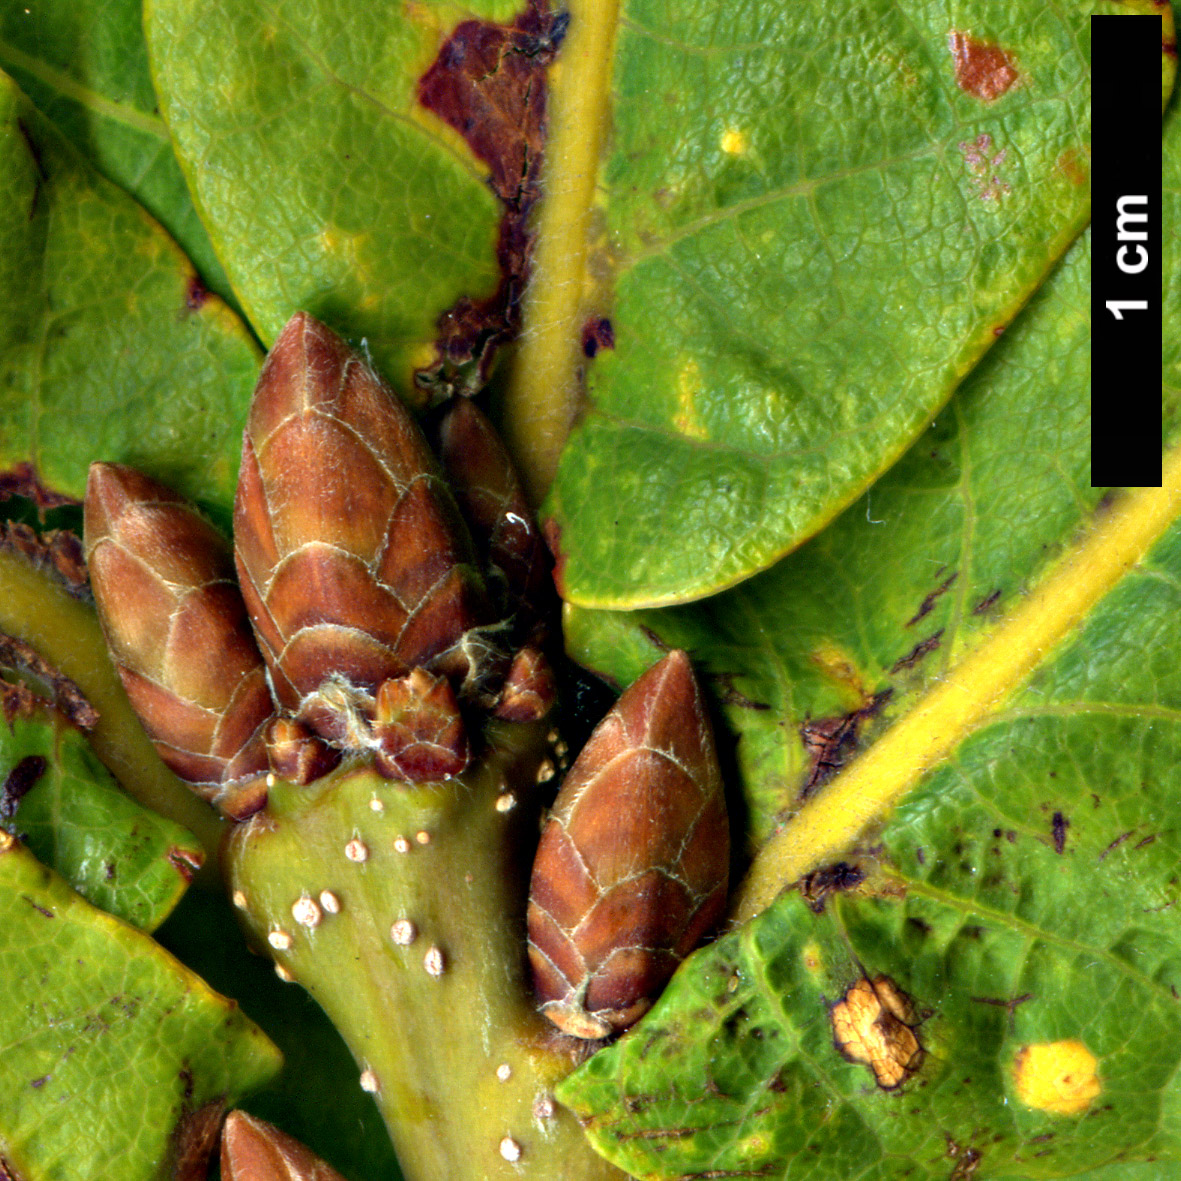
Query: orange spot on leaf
{"type": "Point", "coordinates": [982, 70]}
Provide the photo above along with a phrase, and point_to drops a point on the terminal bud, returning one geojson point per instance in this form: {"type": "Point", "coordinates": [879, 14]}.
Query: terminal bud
{"type": "Point", "coordinates": [354, 561]}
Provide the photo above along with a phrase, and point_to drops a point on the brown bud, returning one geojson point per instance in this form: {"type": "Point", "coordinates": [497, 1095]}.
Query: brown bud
{"type": "Point", "coordinates": [353, 560]}
{"type": "Point", "coordinates": [419, 732]}
{"type": "Point", "coordinates": [632, 867]}
{"type": "Point", "coordinates": [253, 1150]}
{"type": "Point", "coordinates": [493, 502]}
{"type": "Point", "coordinates": [296, 754]}
{"type": "Point", "coordinates": [529, 689]}
{"type": "Point", "coordinates": [163, 582]}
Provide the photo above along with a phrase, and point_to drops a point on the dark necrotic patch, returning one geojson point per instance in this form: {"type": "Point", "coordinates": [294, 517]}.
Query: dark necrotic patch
{"type": "Point", "coordinates": [19, 782]}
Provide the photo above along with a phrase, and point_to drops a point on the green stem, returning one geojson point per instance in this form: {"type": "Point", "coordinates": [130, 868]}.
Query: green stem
{"type": "Point", "coordinates": [462, 1063]}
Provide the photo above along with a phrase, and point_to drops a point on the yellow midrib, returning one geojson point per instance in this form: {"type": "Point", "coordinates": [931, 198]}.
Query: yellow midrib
{"type": "Point", "coordinates": [542, 393]}
{"type": "Point", "coordinates": [828, 825]}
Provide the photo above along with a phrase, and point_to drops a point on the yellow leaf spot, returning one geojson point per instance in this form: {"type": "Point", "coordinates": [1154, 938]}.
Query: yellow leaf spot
{"type": "Point", "coordinates": [1056, 1076]}
{"type": "Point", "coordinates": [688, 387]}
{"type": "Point", "coordinates": [424, 356]}
{"type": "Point", "coordinates": [734, 142]}
{"type": "Point", "coordinates": [836, 665]}
{"type": "Point", "coordinates": [811, 957]}
{"type": "Point", "coordinates": [874, 1023]}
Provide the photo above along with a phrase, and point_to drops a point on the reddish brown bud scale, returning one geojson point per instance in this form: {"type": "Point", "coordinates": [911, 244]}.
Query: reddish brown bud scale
{"type": "Point", "coordinates": [296, 754]}
{"type": "Point", "coordinates": [163, 581]}
{"type": "Point", "coordinates": [633, 864]}
{"type": "Point", "coordinates": [493, 502]}
{"type": "Point", "coordinates": [529, 689]}
{"type": "Point", "coordinates": [253, 1150]}
{"type": "Point", "coordinates": [353, 559]}
{"type": "Point", "coordinates": [418, 729]}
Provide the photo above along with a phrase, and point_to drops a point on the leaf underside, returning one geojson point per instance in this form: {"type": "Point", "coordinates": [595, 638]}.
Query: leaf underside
{"type": "Point", "coordinates": [100, 1023]}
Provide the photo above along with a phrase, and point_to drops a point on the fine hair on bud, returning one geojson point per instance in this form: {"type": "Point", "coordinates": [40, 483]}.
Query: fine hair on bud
{"type": "Point", "coordinates": [632, 867]}
{"type": "Point", "coordinates": [177, 629]}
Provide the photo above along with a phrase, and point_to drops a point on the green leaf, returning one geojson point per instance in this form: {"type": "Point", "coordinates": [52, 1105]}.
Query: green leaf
{"type": "Point", "coordinates": [1021, 891]}
{"type": "Point", "coordinates": [108, 1045]}
{"type": "Point", "coordinates": [325, 187]}
{"type": "Point", "coordinates": [992, 489]}
{"type": "Point", "coordinates": [73, 817]}
{"type": "Point", "coordinates": [104, 351]}
{"type": "Point", "coordinates": [86, 68]}
{"type": "Point", "coordinates": [802, 254]}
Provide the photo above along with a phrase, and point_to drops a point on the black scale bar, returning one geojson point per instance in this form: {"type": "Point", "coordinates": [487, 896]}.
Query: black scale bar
{"type": "Point", "coordinates": [1126, 251]}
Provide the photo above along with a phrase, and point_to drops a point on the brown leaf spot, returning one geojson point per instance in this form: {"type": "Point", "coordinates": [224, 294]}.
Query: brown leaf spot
{"type": "Point", "coordinates": [19, 782]}
{"type": "Point", "coordinates": [929, 602]}
{"type": "Point", "coordinates": [488, 82]}
{"type": "Point", "coordinates": [831, 742]}
{"type": "Point", "coordinates": [966, 1165]}
{"type": "Point", "coordinates": [832, 879]}
{"type": "Point", "coordinates": [196, 293]}
{"type": "Point", "coordinates": [22, 480]}
{"type": "Point", "coordinates": [186, 862]}
{"type": "Point", "coordinates": [982, 69]}
{"type": "Point", "coordinates": [986, 602]}
{"type": "Point", "coordinates": [552, 531]}
{"type": "Point", "coordinates": [1072, 165]}
{"type": "Point", "coordinates": [8, 1172]}
{"type": "Point", "coordinates": [921, 649]}
{"type": "Point", "coordinates": [597, 333]}
{"type": "Point", "coordinates": [66, 695]}
{"type": "Point", "coordinates": [57, 553]}
{"type": "Point", "coordinates": [874, 1024]}
{"type": "Point", "coordinates": [1059, 824]}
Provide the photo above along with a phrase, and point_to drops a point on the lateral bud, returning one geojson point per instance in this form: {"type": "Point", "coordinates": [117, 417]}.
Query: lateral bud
{"type": "Point", "coordinates": [163, 581]}
{"type": "Point", "coordinates": [503, 524]}
{"type": "Point", "coordinates": [253, 1150]}
{"type": "Point", "coordinates": [296, 754]}
{"type": "Point", "coordinates": [529, 689]}
{"type": "Point", "coordinates": [418, 730]}
{"type": "Point", "coordinates": [362, 576]}
{"type": "Point", "coordinates": [632, 867]}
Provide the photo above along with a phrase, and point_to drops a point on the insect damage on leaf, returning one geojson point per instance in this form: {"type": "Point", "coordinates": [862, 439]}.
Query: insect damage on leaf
{"type": "Point", "coordinates": [874, 1023]}
{"type": "Point", "coordinates": [982, 69]}
{"type": "Point", "coordinates": [488, 82]}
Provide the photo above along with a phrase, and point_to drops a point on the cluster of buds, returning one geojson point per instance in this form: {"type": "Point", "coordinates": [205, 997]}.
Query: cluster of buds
{"type": "Point", "coordinates": [361, 622]}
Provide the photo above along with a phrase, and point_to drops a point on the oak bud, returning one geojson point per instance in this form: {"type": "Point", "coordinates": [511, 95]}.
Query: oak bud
{"type": "Point", "coordinates": [632, 867]}
{"type": "Point", "coordinates": [354, 562]}
{"type": "Point", "coordinates": [163, 581]}
{"type": "Point", "coordinates": [492, 500]}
